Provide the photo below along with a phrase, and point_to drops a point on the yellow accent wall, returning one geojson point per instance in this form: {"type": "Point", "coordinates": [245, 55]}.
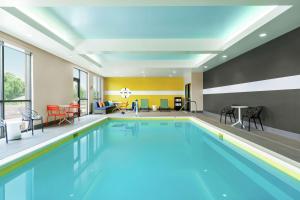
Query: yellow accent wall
{"type": "Point", "coordinates": [144, 84]}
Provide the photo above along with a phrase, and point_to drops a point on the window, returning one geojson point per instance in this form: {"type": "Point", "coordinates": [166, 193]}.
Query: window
{"type": "Point", "coordinates": [15, 82]}
{"type": "Point", "coordinates": [97, 88]}
{"type": "Point", "coordinates": [80, 89]}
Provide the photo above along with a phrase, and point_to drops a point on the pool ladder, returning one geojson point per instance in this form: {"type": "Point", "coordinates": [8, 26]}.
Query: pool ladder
{"type": "Point", "coordinates": [189, 101]}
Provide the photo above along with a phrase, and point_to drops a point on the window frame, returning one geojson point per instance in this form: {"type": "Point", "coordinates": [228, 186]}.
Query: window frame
{"type": "Point", "coordinates": [78, 80]}
{"type": "Point", "coordinates": [28, 74]}
{"type": "Point", "coordinates": [97, 88]}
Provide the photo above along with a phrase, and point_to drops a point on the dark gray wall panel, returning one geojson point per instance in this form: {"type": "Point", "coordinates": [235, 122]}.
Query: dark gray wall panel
{"type": "Point", "coordinates": [281, 108]}
{"type": "Point", "coordinates": [277, 58]}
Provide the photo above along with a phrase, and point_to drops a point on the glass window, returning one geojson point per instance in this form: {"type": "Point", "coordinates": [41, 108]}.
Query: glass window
{"type": "Point", "coordinates": [15, 85]}
{"type": "Point", "coordinates": [83, 85]}
{"type": "Point", "coordinates": [83, 106]}
{"type": "Point", "coordinates": [95, 93]}
{"type": "Point", "coordinates": [97, 88]}
{"type": "Point", "coordinates": [80, 89]}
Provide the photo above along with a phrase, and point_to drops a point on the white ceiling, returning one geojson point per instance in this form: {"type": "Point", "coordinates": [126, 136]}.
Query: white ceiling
{"type": "Point", "coordinates": [276, 21]}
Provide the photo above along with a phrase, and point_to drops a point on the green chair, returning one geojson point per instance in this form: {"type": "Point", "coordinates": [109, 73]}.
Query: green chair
{"type": "Point", "coordinates": [144, 105]}
{"type": "Point", "coordinates": [164, 105]}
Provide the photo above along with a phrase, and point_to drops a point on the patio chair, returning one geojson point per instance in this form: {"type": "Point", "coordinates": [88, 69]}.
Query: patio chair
{"type": "Point", "coordinates": [164, 105]}
{"type": "Point", "coordinates": [227, 110]}
{"type": "Point", "coordinates": [74, 111]}
{"type": "Point", "coordinates": [144, 105]}
{"type": "Point", "coordinates": [30, 116]}
{"type": "Point", "coordinates": [3, 126]}
{"type": "Point", "coordinates": [253, 113]}
{"type": "Point", "coordinates": [56, 112]}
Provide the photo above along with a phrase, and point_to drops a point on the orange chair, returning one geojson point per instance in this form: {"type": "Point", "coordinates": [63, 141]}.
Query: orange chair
{"type": "Point", "coordinates": [55, 111]}
{"type": "Point", "coordinates": [74, 110]}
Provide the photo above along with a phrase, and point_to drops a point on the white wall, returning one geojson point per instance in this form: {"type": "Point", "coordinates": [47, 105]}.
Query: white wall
{"type": "Point", "coordinates": [197, 91]}
{"type": "Point", "coordinates": [187, 77]}
{"type": "Point", "coordinates": [52, 81]}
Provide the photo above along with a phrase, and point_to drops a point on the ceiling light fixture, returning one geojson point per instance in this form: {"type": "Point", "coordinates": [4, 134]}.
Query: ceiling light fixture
{"type": "Point", "coordinates": [224, 56]}
{"type": "Point", "coordinates": [263, 35]}
{"type": "Point", "coordinates": [205, 66]}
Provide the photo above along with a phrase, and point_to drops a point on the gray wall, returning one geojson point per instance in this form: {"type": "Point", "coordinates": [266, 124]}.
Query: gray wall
{"type": "Point", "coordinates": [277, 58]}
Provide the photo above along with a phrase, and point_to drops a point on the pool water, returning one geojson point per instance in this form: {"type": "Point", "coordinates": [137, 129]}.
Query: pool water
{"type": "Point", "coordinates": [147, 160]}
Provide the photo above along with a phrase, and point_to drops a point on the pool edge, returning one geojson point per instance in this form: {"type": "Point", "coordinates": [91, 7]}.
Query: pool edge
{"type": "Point", "coordinates": [19, 159]}
{"type": "Point", "coordinates": [278, 161]}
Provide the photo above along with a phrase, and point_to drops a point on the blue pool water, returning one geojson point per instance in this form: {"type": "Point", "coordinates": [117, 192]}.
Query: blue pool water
{"type": "Point", "coordinates": [147, 160]}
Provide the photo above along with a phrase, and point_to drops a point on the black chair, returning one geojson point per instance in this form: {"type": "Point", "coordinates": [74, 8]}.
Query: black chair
{"type": "Point", "coordinates": [253, 113]}
{"type": "Point", "coordinates": [3, 126]}
{"type": "Point", "coordinates": [227, 110]}
{"type": "Point", "coordinates": [31, 116]}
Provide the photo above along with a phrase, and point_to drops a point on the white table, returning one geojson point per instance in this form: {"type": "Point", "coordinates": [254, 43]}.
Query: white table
{"type": "Point", "coordinates": [240, 115]}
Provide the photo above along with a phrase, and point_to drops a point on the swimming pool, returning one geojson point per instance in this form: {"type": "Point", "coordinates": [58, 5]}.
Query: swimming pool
{"type": "Point", "coordinates": [147, 159]}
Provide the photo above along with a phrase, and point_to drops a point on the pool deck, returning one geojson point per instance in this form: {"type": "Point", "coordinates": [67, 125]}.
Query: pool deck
{"type": "Point", "coordinates": [286, 146]}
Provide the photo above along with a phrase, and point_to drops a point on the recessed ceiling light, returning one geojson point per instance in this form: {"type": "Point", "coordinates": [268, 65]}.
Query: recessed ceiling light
{"type": "Point", "coordinates": [263, 35]}
{"type": "Point", "coordinates": [205, 66]}
{"type": "Point", "coordinates": [224, 56]}
{"type": "Point", "coordinates": [174, 71]}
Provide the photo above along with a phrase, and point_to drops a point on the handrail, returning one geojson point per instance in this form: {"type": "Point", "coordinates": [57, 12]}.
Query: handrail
{"type": "Point", "coordinates": [188, 101]}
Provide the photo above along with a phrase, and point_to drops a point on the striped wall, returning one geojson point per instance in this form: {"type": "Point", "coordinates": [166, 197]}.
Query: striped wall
{"type": "Point", "coordinates": [268, 75]}
{"type": "Point", "coordinates": [151, 88]}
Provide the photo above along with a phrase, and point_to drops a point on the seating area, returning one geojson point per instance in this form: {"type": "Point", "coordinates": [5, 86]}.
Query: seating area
{"type": "Point", "coordinates": [250, 113]}
{"type": "Point", "coordinates": [63, 114]}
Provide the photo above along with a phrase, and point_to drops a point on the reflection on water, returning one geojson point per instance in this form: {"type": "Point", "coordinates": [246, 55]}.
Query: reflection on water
{"type": "Point", "coordinates": [63, 173]}
{"type": "Point", "coordinates": [143, 160]}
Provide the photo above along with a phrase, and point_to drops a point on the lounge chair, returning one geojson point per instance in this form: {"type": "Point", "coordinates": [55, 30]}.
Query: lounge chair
{"type": "Point", "coordinates": [164, 105]}
{"type": "Point", "coordinates": [144, 105]}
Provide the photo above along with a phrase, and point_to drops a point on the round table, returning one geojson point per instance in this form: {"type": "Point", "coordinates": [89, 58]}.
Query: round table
{"type": "Point", "coordinates": [240, 115]}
